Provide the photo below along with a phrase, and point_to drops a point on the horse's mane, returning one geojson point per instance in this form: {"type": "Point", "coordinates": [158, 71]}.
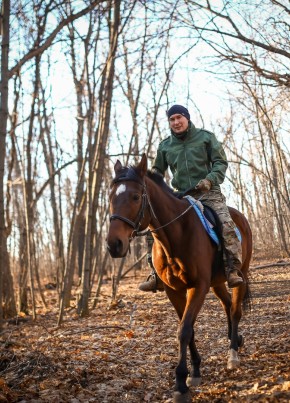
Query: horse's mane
{"type": "Point", "coordinates": [159, 180]}
{"type": "Point", "coordinates": [131, 173]}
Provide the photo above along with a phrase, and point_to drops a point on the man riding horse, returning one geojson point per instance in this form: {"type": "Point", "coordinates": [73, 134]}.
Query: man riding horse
{"type": "Point", "coordinates": [198, 164]}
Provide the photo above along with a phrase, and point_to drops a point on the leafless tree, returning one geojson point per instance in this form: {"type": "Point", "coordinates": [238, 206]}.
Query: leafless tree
{"type": "Point", "coordinates": [6, 284]}
{"type": "Point", "coordinates": [122, 62]}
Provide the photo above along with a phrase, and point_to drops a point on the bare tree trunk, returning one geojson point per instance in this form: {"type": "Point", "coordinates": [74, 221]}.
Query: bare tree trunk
{"type": "Point", "coordinates": [6, 288]}
{"type": "Point", "coordinates": [81, 118]}
{"type": "Point", "coordinates": [51, 168]}
{"type": "Point", "coordinates": [100, 279]}
{"type": "Point", "coordinates": [23, 269]}
{"type": "Point", "coordinates": [70, 264]}
{"type": "Point", "coordinates": [29, 248]}
{"type": "Point", "coordinates": [95, 176]}
{"type": "Point", "coordinates": [116, 279]}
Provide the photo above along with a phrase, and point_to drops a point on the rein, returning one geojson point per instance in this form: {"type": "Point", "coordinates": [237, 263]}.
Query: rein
{"type": "Point", "coordinates": [142, 233]}
{"type": "Point", "coordinates": [145, 203]}
{"type": "Point", "coordinates": [170, 222]}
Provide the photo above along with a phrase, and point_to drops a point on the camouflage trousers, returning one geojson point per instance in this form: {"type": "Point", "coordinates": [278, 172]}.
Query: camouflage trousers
{"type": "Point", "coordinates": [150, 241]}
{"type": "Point", "coordinates": [233, 249]}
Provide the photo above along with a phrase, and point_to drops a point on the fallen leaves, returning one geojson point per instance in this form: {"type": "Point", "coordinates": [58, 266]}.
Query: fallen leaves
{"type": "Point", "coordinates": [127, 351]}
{"type": "Point", "coordinates": [129, 334]}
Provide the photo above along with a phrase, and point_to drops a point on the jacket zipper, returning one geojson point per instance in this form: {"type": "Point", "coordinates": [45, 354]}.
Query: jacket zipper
{"type": "Point", "coordinates": [186, 163]}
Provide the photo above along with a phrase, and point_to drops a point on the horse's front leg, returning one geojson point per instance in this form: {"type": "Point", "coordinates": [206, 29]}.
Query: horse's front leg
{"type": "Point", "coordinates": [194, 378]}
{"type": "Point", "coordinates": [179, 301]}
{"type": "Point", "coordinates": [195, 299]}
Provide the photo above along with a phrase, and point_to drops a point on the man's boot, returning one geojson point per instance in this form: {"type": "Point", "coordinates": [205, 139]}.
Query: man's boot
{"type": "Point", "coordinates": [233, 278]}
{"type": "Point", "coordinates": [232, 255]}
{"type": "Point", "coordinates": [153, 283]}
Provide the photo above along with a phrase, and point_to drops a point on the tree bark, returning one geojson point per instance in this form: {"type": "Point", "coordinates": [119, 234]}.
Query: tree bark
{"type": "Point", "coordinates": [6, 282]}
{"type": "Point", "coordinates": [96, 175]}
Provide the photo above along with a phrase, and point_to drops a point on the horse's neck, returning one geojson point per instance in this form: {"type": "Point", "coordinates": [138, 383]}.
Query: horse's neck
{"type": "Point", "coordinates": [166, 209]}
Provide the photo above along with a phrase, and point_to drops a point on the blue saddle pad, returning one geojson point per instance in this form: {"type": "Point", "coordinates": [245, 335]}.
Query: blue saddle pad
{"type": "Point", "coordinates": [206, 223]}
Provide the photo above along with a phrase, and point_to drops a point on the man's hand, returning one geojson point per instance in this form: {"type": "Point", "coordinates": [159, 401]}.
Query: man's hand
{"type": "Point", "coordinates": [204, 185]}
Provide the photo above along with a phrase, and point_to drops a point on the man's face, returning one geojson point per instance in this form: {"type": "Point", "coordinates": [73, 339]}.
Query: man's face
{"type": "Point", "coordinates": [178, 123]}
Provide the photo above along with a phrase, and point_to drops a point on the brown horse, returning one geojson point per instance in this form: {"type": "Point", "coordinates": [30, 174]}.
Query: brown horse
{"type": "Point", "coordinates": [184, 256]}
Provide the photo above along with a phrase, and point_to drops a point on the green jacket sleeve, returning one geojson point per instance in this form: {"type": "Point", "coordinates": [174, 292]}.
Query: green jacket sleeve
{"type": "Point", "coordinates": [160, 164]}
{"type": "Point", "coordinates": [218, 160]}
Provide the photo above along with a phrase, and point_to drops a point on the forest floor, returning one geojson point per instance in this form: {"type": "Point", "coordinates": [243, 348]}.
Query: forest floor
{"type": "Point", "coordinates": [127, 351]}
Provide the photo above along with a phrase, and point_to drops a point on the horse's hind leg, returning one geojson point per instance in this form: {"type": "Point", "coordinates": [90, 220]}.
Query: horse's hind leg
{"type": "Point", "coordinates": [236, 340]}
{"type": "Point", "coordinates": [225, 298]}
{"type": "Point", "coordinates": [232, 307]}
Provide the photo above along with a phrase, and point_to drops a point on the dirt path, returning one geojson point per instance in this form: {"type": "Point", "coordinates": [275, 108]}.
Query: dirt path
{"type": "Point", "coordinates": [128, 352]}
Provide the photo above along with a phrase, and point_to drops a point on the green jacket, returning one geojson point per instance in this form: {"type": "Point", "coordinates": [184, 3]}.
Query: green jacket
{"type": "Point", "coordinates": [198, 156]}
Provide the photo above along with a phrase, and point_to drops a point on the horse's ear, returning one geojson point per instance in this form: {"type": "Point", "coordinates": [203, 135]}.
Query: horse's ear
{"type": "Point", "coordinates": [117, 166]}
{"type": "Point", "coordinates": [142, 166]}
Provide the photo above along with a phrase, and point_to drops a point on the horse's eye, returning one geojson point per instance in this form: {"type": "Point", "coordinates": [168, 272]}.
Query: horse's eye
{"type": "Point", "coordinates": [136, 197]}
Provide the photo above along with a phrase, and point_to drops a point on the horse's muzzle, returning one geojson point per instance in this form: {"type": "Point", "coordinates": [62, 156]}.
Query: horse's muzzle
{"type": "Point", "coordinates": [116, 248]}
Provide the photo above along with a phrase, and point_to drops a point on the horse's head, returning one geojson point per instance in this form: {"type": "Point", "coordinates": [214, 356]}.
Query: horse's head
{"type": "Point", "coordinates": [128, 206]}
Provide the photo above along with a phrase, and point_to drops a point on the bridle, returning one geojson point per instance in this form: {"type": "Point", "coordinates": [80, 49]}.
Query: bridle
{"type": "Point", "coordinates": [141, 213]}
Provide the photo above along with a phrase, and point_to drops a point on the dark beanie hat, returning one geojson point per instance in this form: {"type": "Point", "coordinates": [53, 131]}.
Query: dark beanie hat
{"type": "Point", "coordinates": [178, 109]}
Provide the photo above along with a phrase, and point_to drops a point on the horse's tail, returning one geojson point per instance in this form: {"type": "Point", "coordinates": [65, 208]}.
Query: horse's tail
{"type": "Point", "coordinates": [247, 300]}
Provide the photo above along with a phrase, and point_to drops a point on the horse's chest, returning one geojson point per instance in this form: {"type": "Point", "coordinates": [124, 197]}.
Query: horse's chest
{"type": "Point", "coordinates": [173, 274]}
{"type": "Point", "coordinates": [172, 271]}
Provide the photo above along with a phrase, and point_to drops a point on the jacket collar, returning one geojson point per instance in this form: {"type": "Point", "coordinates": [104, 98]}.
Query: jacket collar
{"type": "Point", "coordinates": [183, 135]}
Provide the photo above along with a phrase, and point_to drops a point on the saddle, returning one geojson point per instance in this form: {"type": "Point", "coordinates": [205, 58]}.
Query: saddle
{"type": "Point", "coordinates": [213, 219]}
{"type": "Point", "coordinates": [210, 220]}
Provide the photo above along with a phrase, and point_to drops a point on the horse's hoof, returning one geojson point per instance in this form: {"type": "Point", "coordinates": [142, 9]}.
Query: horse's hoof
{"type": "Point", "coordinates": [182, 397]}
{"type": "Point", "coordinates": [233, 364]}
{"type": "Point", "coordinates": [191, 381]}
{"type": "Point", "coordinates": [233, 360]}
